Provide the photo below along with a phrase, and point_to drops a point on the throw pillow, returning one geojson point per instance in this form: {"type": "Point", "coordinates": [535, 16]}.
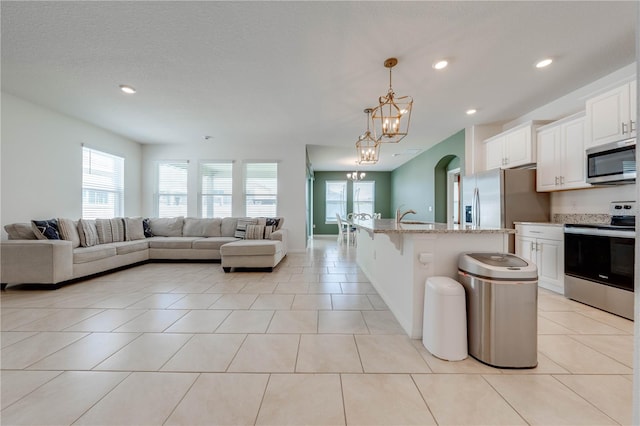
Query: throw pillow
{"type": "Point", "coordinates": [273, 221]}
{"type": "Point", "coordinates": [133, 228]}
{"type": "Point", "coordinates": [146, 226]}
{"type": "Point", "coordinates": [46, 229]}
{"type": "Point", "coordinates": [241, 227]}
{"type": "Point", "coordinates": [103, 226]}
{"type": "Point", "coordinates": [88, 233]}
{"type": "Point", "coordinates": [117, 229]}
{"type": "Point", "coordinates": [267, 232]}
{"type": "Point", "coordinates": [69, 231]}
{"type": "Point", "coordinates": [254, 232]}
{"type": "Point", "coordinates": [20, 231]}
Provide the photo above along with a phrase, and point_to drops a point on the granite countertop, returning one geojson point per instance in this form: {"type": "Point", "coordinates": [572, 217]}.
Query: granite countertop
{"type": "Point", "coordinates": [389, 226]}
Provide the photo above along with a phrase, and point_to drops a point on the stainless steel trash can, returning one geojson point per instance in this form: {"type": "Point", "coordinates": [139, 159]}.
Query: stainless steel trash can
{"type": "Point", "coordinates": [502, 308]}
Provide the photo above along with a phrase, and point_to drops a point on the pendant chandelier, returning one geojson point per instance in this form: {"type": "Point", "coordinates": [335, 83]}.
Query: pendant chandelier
{"type": "Point", "coordinates": [391, 117]}
{"type": "Point", "coordinates": [367, 147]}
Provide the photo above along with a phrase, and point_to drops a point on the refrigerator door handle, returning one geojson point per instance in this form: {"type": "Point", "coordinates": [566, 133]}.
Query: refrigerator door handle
{"type": "Point", "coordinates": [476, 207]}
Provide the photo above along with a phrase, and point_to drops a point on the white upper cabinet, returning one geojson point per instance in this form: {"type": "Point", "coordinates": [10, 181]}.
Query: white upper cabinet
{"type": "Point", "coordinates": [561, 157]}
{"type": "Point", "coordinates": [611, 116]}
{"type": "Point", "coordinates": [512, 148]}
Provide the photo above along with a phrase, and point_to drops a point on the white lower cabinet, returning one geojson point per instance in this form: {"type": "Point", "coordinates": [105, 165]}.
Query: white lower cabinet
{"type": "Point", "coordinates": [544, 246]}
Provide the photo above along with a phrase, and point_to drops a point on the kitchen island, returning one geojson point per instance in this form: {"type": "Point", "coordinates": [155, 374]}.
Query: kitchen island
{"type": "Point", "coordinates": [399, 257]}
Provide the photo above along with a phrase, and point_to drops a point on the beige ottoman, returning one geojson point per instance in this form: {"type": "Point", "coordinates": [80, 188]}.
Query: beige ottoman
{"type": "Point", "coordinates": [251, 254]}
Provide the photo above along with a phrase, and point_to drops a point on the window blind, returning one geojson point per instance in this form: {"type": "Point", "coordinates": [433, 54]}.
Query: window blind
{"type": "Point", "coordinates": [261, 189]}
{"type": "Point", "coordinates": [102, 184]}
{"type": "Point", "coordinates": [172, 188]}
{"type": "Point", "coordinates": [335, 200]}
{"type": "Point", "coordinates": [216, 185]}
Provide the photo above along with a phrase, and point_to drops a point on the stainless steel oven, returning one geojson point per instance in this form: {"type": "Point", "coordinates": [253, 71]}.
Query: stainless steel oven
{"type": "Point", "coordinates": [599, 261]}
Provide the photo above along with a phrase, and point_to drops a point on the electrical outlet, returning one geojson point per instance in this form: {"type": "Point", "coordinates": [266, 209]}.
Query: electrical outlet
{"type": "Point", "coordinates": [430, 208]}
{"type": "Point", "coordinates": [314, 226]}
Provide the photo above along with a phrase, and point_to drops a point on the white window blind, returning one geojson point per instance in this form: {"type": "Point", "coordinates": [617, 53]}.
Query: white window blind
{"type": "Point", "coordinates": [102, 184]}
{"type": "Point", "coordinates": [335, 200]}
{"type": "Point", "coordinates": [364, 197]}
{"type": "Point", "coordinates": [171, 194]}
{"type": "Point", "coordinates": [215, 189]}
{"type": "Point", "coordinates": [261, 189]}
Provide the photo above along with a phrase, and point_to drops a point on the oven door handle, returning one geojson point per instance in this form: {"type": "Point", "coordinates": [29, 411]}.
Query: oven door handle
{"type": "Point", "coordinates": [600, 232]}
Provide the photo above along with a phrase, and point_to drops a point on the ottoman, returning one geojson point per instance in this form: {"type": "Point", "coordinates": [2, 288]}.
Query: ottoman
{"type": "Point", "coordinates": [251, 254]}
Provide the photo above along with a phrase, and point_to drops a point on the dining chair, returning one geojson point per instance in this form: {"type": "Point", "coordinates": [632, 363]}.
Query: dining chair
{"type": "Point", "coordinates": [345, 230]}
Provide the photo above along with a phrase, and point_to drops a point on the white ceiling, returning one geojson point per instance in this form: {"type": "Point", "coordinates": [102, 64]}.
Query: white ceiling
{"type": "Point", "coordinates": [302, 72]}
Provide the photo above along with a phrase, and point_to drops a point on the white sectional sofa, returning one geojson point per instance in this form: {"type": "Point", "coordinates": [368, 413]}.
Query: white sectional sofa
{"type": "Point", "coordinates": [28, 260]}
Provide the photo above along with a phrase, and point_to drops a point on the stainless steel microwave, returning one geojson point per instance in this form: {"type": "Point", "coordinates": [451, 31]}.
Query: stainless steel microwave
{"type": "Point", "coordinates": [612, 163]}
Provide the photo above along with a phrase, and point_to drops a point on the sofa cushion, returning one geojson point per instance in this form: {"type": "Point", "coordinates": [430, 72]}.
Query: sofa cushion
{"type": "Point", "coordinates": [201, 227]}
{"type": "Point", "coordinates": [103, 227]}
{"type": "Point", "coordinates": [241, 227]}
{"type": "Point", "coordinates": [69, 231]}
{"type": "Point", "coordinates": [126, 247]}
{"type": "Point", "coordinates": [167, 226]}
{"type": "Point", "coordinates": [133, 229]}
{"type": "Point", "coordinates": [212, 243]}
{"type": "Point", "coordinates": [251, 248]}
{"type": "Point", "coordinates": [90, 254]}
{"type": "Point", "coordinates": [20, 231]}
{"type": "Point", "coordinates": [172, 242]}
{"type": "Point", "coordinates": [46, 229]}
{"type": "Point", "coordinates": [88, 233]}
{"type": "Point", "coordinates": [117, 229]}
{"type": "Point", "coordinates": [228, 226]}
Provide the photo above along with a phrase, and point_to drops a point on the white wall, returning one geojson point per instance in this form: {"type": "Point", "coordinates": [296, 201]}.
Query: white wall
{"type": "Point", "coordinates": [41, 163]}
{"type": "Point", "coordinates": [592, 200]}
{"type": "Point", "coordinates": [291, 177]}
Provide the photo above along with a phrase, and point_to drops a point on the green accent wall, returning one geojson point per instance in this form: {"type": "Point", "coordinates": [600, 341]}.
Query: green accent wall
{"type": "Point", "coordinates": [422, 182]}
{"type": "Point", "coordinates": [382, 201]}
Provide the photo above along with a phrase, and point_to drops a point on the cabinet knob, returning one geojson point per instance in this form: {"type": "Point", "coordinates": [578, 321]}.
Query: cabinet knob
{"type": "Point", "coordinates": [561, 180]}
{"type": "Point", "coordinates": [557, 180]}
{"type": "Point", "coordinates": [632, 127]}
{"type": "Point", "coordinates": [624, 128]}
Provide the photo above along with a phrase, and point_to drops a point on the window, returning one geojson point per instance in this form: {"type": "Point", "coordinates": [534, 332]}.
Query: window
{"type": "Point", "coordinates": [102, 184]}
{"type": "Point", "coordinates": [172, 188]}
{"type": "Point", "coordinates": [261, 189]}
{"type": "Point", "coordinates": [215, 189]}
{"type": "Point", "coordinates": [364, 197]}
{"type": "Point", "coordinates": [335, 200]}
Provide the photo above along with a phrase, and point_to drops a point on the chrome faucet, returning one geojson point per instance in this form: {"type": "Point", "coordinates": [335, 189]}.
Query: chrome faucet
{"type": "Point", "coordinates": [399, 215]}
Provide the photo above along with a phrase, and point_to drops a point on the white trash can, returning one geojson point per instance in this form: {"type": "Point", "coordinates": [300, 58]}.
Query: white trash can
{"type": "Point", "coordinates": [444, 327]}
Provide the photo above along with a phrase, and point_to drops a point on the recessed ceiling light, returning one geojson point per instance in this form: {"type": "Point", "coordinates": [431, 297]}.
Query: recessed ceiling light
{"type": "Point", "coordinates": [440, 64]}
{"type": "Point", "coordinates": [471, 111]}
{"type": "Point", "coordinates": [544, 63]}
{"type": "Point", "coordinates": [127, 89]}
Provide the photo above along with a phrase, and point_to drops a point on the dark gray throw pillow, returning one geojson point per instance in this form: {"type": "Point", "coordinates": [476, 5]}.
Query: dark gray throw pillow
{"type": "Point", "coordinates": [46, 229]}
{"type": "Point", "coordinates": [146, 226]}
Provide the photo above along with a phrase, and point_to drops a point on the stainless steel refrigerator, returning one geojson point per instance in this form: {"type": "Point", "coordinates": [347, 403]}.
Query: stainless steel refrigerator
{"type": "Point", "coordinates": [498, 198]}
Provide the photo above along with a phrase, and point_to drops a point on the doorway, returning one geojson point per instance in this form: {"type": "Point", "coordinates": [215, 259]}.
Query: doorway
{"type": "Point", "coordinates": [453, 197]}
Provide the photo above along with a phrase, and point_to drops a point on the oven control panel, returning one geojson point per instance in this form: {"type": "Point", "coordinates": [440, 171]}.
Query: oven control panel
{"type": "Point", "coordinates": [622, 208]}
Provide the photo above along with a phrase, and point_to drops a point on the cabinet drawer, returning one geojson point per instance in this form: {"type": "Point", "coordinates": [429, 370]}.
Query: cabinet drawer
{"type": "Point", "coordinates": [551, 232]}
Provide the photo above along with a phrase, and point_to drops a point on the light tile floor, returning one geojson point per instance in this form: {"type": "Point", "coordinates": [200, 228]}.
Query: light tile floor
{"type": "Point", "coordinates": [310, 343]}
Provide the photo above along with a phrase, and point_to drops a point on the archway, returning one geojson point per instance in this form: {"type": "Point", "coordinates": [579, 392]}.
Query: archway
{"type": "Point", "coordinates": [446, 163]}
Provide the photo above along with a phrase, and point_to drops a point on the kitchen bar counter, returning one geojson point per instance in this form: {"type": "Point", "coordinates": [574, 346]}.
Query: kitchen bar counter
{"type": "Point", "coordinates": [390, 226]}
{"type": "Point", "coordinates": [398, 259]}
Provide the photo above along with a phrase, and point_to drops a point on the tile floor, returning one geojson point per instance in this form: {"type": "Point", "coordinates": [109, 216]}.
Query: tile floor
{"type": "Point", "coordinates": [310, 343]}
